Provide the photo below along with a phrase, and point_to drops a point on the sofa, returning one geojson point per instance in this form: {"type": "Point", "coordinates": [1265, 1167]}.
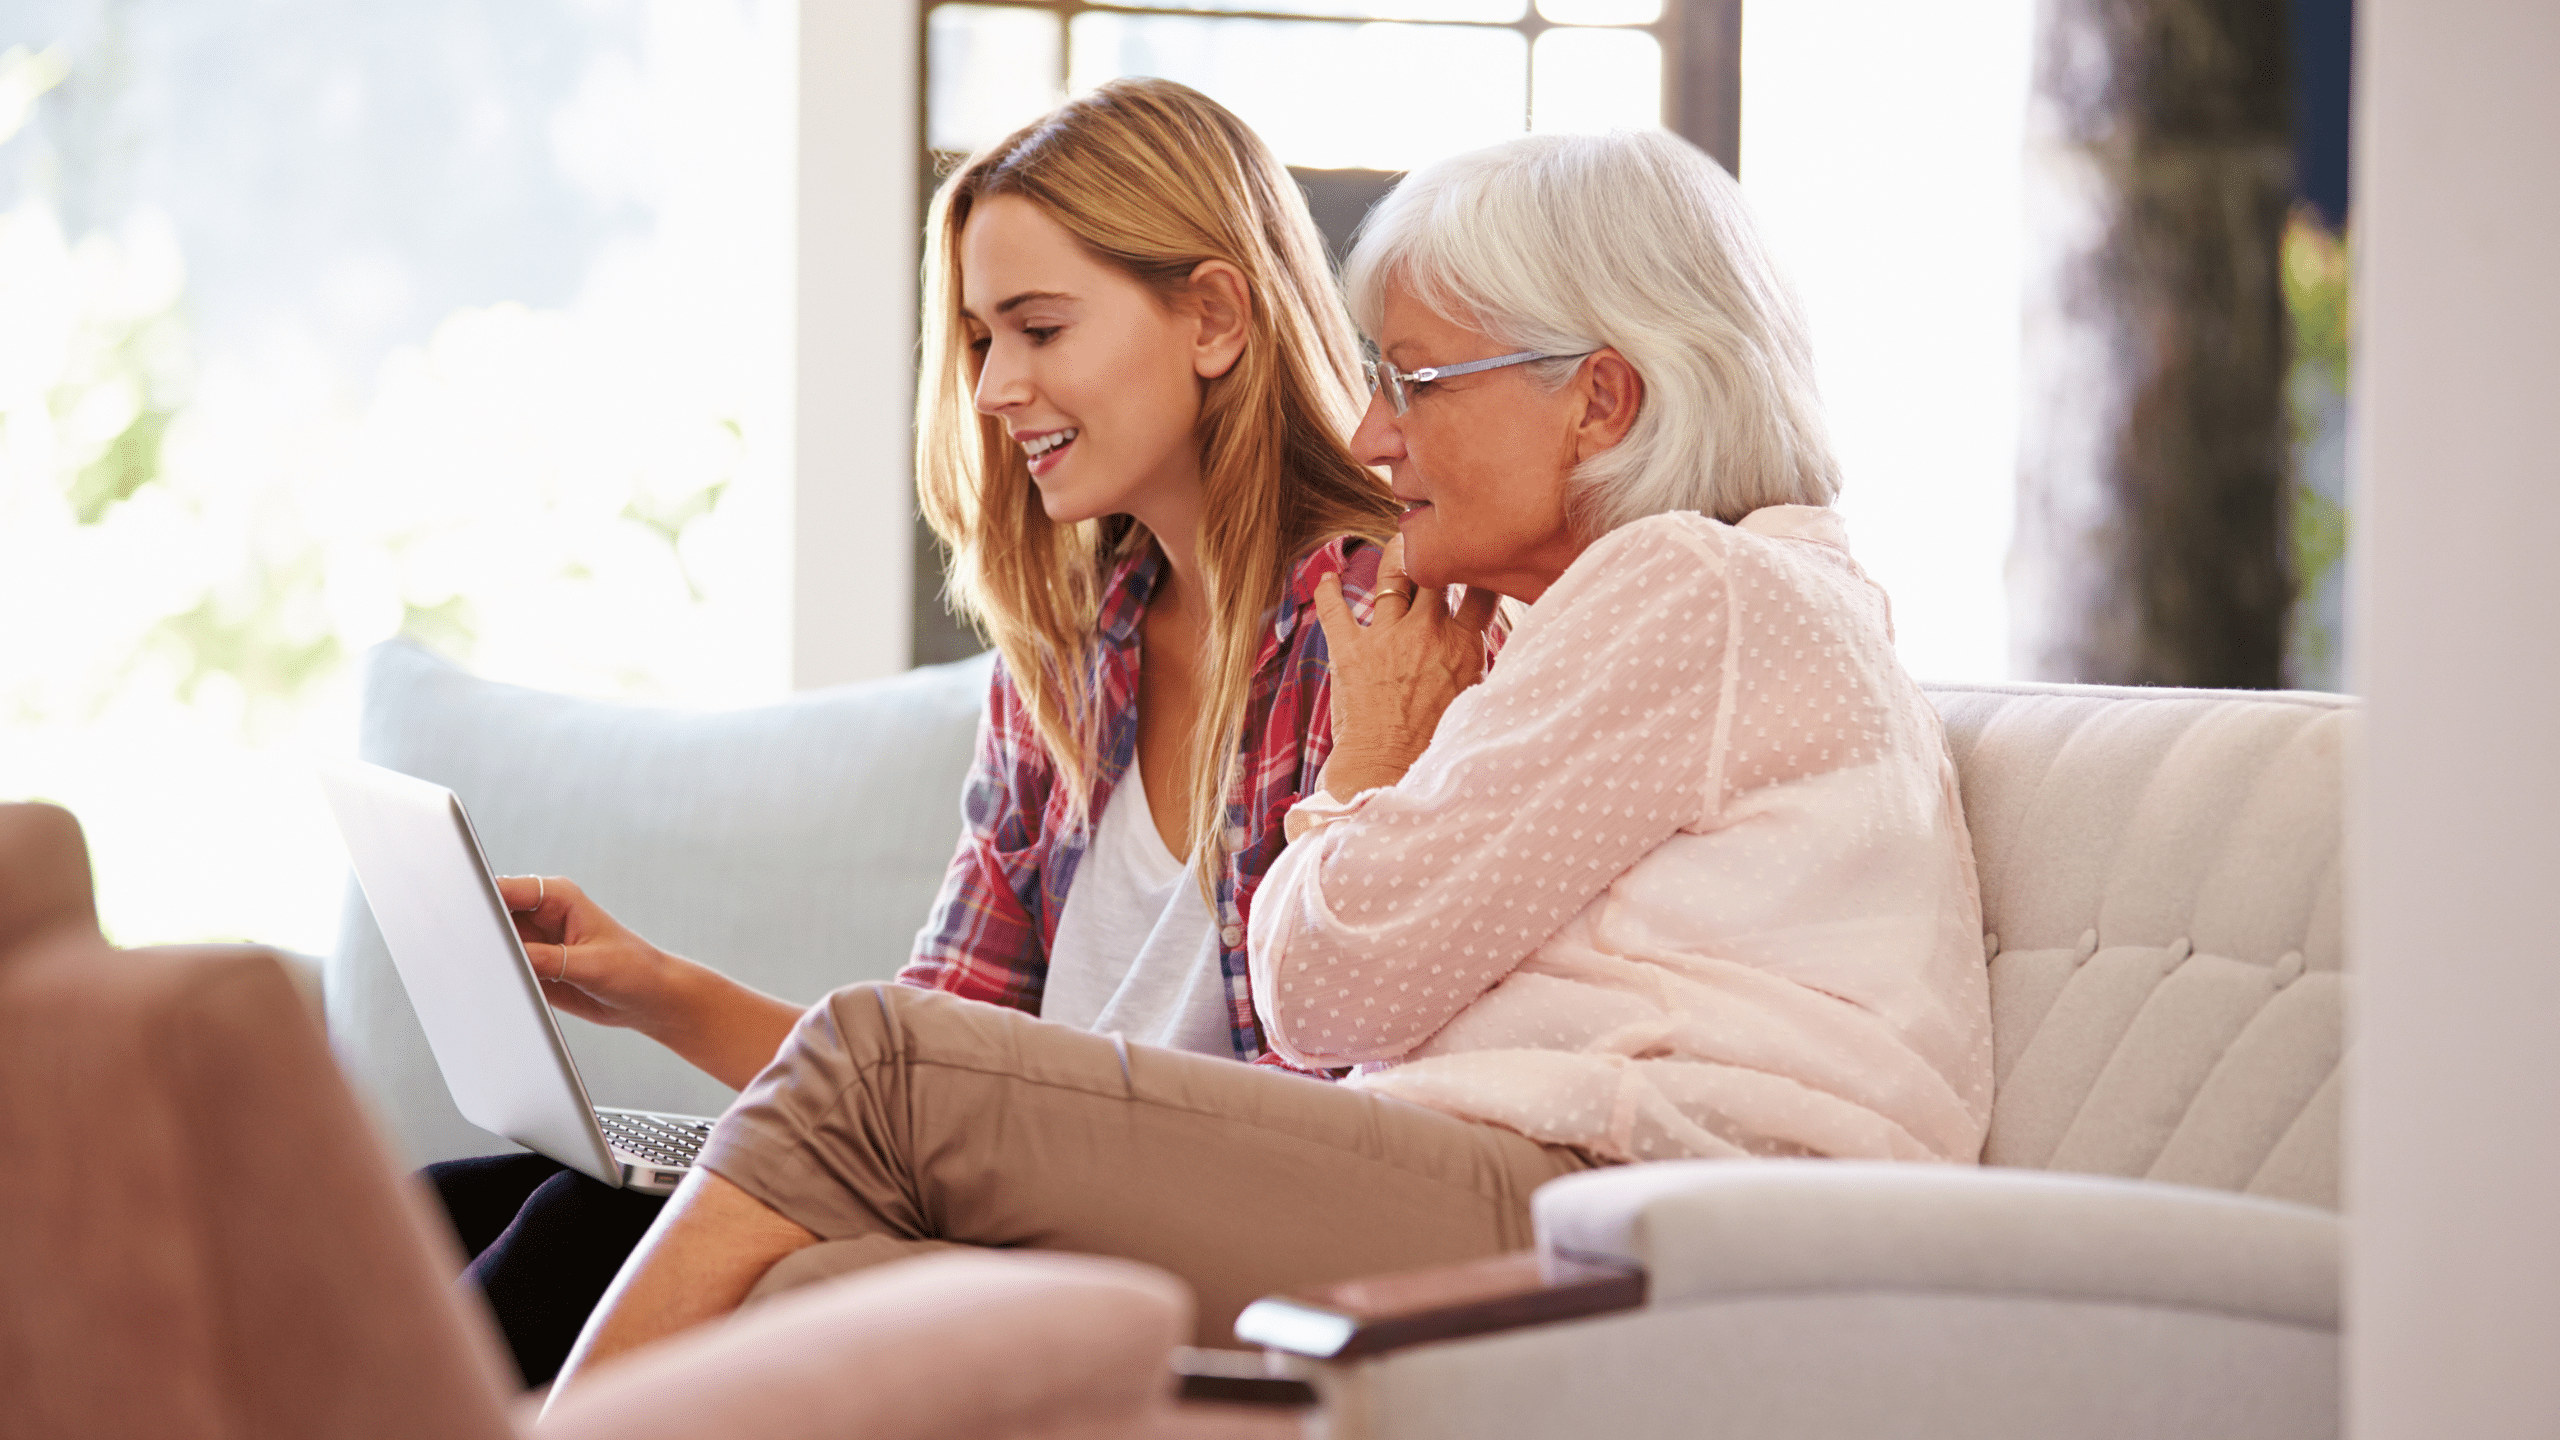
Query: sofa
{"type": "Point", "coordinates": [2151, 1246]}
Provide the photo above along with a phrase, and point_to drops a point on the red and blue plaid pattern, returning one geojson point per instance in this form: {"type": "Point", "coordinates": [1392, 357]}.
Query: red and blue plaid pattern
{"type": "Point", "coordinates": [989, 934]}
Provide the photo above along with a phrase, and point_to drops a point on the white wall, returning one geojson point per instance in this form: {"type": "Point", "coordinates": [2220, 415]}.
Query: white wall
{"type": "Point", "coordinates": [855, 345]}
{"type": "Point", "coordinates": [2454, 1156]}
{"type": "Point", "coordinates": [1881, 149]}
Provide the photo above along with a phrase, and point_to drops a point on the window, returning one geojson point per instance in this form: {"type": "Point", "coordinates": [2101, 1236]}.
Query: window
{"type": "Point", "coordinates": [1349, 93]}
{"type": "Point", "coordinates": [1882, 149]}
{"type": "Point", "coordinates": [321, 324]}
{"type": "Point", "coordinates": [1377, 85]}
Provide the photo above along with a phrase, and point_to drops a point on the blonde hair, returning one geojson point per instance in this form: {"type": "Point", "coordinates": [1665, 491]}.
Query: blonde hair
{"type": "Point", "coordinates": [1636, 240]}
{"type": "Point", "coordinates": [1153, 178]}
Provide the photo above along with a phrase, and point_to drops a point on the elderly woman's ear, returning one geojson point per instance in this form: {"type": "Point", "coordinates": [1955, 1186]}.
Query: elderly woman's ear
{"type": "Point", "coordinates": [1611, 393]}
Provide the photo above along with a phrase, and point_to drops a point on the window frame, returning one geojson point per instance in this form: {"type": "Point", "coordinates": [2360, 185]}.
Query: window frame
{"type": "Point", "coordinates": [1701, 43]}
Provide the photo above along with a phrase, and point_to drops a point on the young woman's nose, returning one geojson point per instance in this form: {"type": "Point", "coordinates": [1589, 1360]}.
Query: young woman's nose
{"type": "Point", "coordinates": [1002, 385]}
{"type": "Point", "coordinates": [1380, 438]}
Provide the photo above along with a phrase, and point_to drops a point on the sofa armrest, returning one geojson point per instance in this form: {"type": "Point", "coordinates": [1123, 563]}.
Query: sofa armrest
{"type": "Point", "coordinates": [974, 1345]}
{"type": "Point", "coordinates": [1708, 1229]}
{"type": "Point", "coordinates": [1389, 1312]}
{"type": "Point", "coordinates": [1236, 1377]}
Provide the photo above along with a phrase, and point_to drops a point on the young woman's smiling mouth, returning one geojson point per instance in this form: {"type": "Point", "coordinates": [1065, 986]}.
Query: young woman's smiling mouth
{"type": "Point", "coordinates": [1045, 448]}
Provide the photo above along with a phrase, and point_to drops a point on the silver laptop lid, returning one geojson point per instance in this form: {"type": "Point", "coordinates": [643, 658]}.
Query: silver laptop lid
{"type": "Point", "coordinates": [493, 1034]}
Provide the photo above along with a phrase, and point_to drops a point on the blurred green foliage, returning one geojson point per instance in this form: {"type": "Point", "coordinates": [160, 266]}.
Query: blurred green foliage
{"type": "Point", "coordinates": [449, 626]}
{"type": "Point", "coordinates": [130, 461]}
{"type": "Point", "coordinates": [2319, 533]}
{"type": "Point", "coordinates": [667, 519]}
{"type": "Point", "coordinates": [2317, 294]}
{"type": "Point", "coordinates": [2317, 266]}
{"type": "Point", "coordinates": [274, 537]}
{"type": "Point", "coordinates": [249, 631]}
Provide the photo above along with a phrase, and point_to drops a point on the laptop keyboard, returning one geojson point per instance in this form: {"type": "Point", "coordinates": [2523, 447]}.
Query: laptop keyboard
{"type": "Point", "coordinates": [654, 1138]}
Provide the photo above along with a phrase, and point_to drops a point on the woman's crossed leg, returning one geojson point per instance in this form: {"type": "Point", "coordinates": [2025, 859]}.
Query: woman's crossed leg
{"type": "Point", "coordinates": [899, 1119]}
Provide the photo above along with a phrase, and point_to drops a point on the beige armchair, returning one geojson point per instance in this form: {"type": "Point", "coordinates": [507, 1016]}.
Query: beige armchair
{"type": "Point", "coordinates": [201, 1237]}
{"type": "Point", "coordinates": [2151, 1247]}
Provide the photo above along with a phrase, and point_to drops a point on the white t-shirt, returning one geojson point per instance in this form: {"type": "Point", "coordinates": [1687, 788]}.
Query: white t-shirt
{"type": "Point", "coordinates": [1135, 954]}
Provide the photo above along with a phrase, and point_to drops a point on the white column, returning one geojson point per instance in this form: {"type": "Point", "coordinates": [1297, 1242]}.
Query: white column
{"type": "Point", "coordinates": [2454, 1125]}
{"type": "Point", "coordinates": [854, 344]}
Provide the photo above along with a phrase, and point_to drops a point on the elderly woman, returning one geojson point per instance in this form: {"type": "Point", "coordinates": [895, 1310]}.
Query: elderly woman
{"type": "Point", "coordinates": [1685, 875]}
{"type": "Point", "coordinates": [1688, 875]}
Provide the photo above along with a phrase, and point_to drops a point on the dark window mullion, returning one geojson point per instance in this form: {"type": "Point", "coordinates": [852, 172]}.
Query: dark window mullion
{"type": "Point", "coordinates": [1142, 11]}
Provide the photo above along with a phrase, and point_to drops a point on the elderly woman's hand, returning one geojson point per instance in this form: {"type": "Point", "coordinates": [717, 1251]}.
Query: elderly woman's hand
{"type": "Point", "coordinates": [1394, 676]}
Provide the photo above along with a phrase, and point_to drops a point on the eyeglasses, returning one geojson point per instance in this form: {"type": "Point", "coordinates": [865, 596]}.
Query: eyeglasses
{"type": "Point", "coordinates": [1383, 372]}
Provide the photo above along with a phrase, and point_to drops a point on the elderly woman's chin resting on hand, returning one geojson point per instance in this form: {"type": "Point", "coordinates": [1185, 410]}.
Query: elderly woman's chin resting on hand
{"type": "Point", "coordinates": [1686, 874]}
{"type": "Point", "coordinates": [1683, 874]}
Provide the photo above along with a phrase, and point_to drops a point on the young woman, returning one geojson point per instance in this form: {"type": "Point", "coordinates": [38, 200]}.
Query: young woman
{"type": "Point", "coordinates": [1137, 385]}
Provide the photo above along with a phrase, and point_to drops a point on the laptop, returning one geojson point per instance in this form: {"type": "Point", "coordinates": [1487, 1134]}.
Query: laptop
{"type": "Point", "coordinates": [494, 1036]}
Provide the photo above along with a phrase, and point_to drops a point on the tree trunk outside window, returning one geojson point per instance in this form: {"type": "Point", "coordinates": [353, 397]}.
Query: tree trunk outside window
{"type": "Point", "coordinates": [2151, 544]}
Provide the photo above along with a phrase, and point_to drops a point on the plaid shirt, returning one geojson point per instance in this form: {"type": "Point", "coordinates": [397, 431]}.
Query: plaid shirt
{"type": "Point", "coordinates": [989, 935]}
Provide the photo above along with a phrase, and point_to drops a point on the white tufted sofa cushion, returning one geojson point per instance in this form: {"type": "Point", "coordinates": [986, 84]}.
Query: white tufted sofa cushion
{"type": "Point", "coordinates": [2161, 887]}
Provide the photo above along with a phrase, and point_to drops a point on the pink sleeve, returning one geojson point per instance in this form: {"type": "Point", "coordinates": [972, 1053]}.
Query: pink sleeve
{"type": "Point", "coordinates": [1589, 745]}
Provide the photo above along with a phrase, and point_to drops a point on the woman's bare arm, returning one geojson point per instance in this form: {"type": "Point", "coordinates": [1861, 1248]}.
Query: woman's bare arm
{"type": "Point", "coordinates": [710, 1246]}
{"type": "Point", "coordinates": [728, 1030]}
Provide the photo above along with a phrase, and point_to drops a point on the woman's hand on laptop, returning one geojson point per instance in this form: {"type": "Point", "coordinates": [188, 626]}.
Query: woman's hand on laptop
{"type": "Point", "coordinates": [591, 965]}
{"type": "Point", "coordinates": [596, 968]}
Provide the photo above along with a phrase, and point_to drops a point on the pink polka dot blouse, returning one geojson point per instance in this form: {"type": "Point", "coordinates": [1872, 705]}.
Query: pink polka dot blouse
{"type": "Point", "coordinates": [1687, 875]}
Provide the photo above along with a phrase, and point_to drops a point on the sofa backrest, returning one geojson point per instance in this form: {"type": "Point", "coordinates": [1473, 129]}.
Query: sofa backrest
{"type": "Point", "coordinates": [2161, 874]}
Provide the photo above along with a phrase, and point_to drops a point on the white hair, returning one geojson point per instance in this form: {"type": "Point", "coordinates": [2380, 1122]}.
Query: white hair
{"type": "Point", "coordinates": [1635, 241]}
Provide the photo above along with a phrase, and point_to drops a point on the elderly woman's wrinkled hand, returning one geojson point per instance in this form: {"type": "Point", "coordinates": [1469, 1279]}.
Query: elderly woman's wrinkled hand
{"type": "Point", "coordinates": [1393, 677]}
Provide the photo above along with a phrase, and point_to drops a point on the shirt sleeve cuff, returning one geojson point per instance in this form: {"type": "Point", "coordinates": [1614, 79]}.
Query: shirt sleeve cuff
{"type": "Point", "coordinates": [1315, 812]}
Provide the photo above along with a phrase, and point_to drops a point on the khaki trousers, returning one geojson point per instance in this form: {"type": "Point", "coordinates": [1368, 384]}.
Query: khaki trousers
{"type": "Point", "coordinates": [897, 1119]}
